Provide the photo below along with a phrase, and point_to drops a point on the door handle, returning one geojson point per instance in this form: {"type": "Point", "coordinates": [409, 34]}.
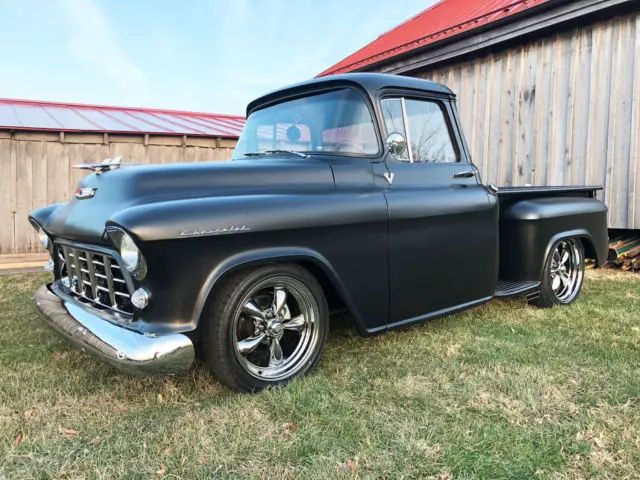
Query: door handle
{"type": "Point", "coordinates": [465, 174]}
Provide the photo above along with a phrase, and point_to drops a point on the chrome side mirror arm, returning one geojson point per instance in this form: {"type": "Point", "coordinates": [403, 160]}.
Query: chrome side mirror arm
{"type": "Point", "coordinates": [395, 145]}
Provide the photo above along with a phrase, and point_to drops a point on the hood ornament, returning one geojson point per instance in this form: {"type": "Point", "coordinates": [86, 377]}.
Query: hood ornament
{"type": "Point", "coordinates": [104, 166]}
{"type": "Point", "coordinates": [85, 192]}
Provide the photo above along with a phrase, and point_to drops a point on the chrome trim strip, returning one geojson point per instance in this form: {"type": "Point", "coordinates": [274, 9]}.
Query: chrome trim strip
{"type": "Point", "coordinates": [406, 128]}
{"type": "Point", "coordinates": [125, 349]}
{"type": "Point", "coordinates": [107, 270]}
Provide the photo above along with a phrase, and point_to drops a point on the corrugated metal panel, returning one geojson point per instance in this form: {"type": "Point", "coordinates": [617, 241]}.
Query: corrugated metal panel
{"type": "Point", "coordinates": [445, 19]}
{"type": "Point", "coordinates": [563, 110]}
{"type": "Point", "coordinates": [67, 117]}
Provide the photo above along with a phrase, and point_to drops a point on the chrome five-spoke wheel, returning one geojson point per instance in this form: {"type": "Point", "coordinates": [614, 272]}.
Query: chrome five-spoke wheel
{"type": "Point", "coordinates": [563, 273]}
{"type": "Point", "coordinates": [566, 273]}
{"type": "Point", "coordinates": [266, 327]}
{"type": "Point", "coordinates": [276, 328]}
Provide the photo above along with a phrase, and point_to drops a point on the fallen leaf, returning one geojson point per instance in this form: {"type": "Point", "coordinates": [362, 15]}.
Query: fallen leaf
{"type": "Point", "coordinates": [162, 470]}
{"type": "Point", "coordinates": [290, 428]}
{"type": "Point", "coordinates": [453, 350]}
{"type": "Point", "coordinates": [68, 432]}
{"type": "Point", "coordinates": [18, 440]}
{"type": "Point", "coordinates": [28, 414]}
{"type": "Point", "coordinates": [96, 441]}
{"type": "Point", "coordinates": [348, 465]}
{"type": "Point", "coordinates": [56, 356]}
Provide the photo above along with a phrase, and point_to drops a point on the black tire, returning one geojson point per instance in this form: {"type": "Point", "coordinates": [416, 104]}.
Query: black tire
{"type": "Point", "coordinates": [562, 278]}
{"type": "Point", "coordinates": [226, 324]}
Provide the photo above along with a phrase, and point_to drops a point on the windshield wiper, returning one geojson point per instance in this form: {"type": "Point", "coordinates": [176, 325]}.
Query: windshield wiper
{"type": "Point", "coordinates": [292, 152]}
{"type": "Point", "coordinates": [269, 152]}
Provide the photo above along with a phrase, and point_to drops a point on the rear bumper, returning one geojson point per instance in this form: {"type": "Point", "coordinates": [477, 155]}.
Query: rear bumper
{"type": "Point", "coordinates": [127, 350]}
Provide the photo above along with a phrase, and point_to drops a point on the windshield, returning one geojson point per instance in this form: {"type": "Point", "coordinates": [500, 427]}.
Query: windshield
{"type": "Point", "coordinates": [336, 122]}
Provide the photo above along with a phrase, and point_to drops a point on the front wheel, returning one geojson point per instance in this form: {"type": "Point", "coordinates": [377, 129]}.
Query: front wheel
{"type": "Point", "coordinates": [266, 327]}
{"type": "Point", "coordinates": [563, 274]}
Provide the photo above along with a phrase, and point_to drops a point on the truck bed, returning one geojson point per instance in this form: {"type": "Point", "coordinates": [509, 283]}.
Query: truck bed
{"type": "Point", "coordinates": [553, 191]}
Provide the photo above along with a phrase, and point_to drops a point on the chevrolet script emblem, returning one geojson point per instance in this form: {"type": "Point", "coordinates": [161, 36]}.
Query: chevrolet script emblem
{"type": "Point", "coordinates": [86, 192]}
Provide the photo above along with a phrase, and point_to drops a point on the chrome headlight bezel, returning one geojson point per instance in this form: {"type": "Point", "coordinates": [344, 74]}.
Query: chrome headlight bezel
{"type": "Point", "coordinates": [130, 253]}
{"type": "Point", "coordinates": [43, 237]}
{"type": "Point", "coordinates": [132, 258]}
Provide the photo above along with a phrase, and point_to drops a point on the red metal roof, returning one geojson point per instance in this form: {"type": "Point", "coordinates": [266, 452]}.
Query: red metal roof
{"type": "Point", "coordinates": [445, 19]}
{"type": "Point", "coordinates": [73, 117]}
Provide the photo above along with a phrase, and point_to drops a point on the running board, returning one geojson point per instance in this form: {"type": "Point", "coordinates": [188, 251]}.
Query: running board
{"type": "Point", "coordinates": [506, 288]}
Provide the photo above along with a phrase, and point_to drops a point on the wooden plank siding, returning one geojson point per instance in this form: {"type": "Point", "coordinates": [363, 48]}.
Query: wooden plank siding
{"type": "Point", "coordinates": [36, 169]}
{"type": "Point", "coordinates": [559, 110]}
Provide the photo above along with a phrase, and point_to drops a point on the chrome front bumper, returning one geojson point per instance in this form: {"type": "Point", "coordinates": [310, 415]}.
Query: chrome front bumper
{"type": "Point", "coordinates": [127, 350]}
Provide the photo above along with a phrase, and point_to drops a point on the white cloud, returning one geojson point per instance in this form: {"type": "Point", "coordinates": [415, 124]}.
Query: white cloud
{"type": "Point", "coordinates": [94, 42]}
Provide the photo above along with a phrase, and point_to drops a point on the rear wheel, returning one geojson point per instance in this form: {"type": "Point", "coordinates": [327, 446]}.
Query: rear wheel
{"type": "Point", "coordinates": [563, 274]}
{"type": "Point", "coordinates": [266, 327]}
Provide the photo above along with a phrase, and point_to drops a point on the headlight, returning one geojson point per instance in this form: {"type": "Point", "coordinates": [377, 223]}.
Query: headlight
{"type": "Point", "coordinates": [132, 258]}
{"type": "Point", "coordinates": [129, 252]}
{"type": "Point", "coordinates": [43, 237]}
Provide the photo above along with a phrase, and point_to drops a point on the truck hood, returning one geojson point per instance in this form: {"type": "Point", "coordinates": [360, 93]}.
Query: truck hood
{"type": "Point", "coordinates": [128, 187]}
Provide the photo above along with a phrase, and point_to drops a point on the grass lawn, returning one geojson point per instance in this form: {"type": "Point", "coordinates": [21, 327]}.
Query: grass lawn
{"type": "Point", "coordinates": [501, 391]}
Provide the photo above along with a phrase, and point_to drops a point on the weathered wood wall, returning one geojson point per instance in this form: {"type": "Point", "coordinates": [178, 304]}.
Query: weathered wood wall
{"type": "Point", "coordinates": [559, 110]}
{"type": "Point", "coordinates": [36, 170]}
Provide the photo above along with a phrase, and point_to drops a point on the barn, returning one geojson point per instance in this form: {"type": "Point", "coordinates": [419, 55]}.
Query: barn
{"type": "Point", "coordinates": [548, 90]}
{"type": "Point", "coordinates": [40, 142]}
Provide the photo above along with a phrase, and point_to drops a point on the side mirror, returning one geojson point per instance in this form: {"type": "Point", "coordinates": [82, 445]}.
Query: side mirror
{"type": "Point", "coordinates": [396, 144]}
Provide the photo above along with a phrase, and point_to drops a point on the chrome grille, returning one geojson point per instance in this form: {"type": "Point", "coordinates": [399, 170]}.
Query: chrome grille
{"type": "Point", "coordinates": [93, 277]}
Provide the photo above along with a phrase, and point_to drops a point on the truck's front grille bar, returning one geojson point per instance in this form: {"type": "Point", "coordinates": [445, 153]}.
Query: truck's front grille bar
{"type": "Point", "coordinates": [93, 277]}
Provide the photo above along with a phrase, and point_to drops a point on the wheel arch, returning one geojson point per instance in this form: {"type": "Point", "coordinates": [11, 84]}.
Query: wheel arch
{"type": "Point", "coordinates": [309, 259]}
{"type": "Point", "coordinates": [581, 234]}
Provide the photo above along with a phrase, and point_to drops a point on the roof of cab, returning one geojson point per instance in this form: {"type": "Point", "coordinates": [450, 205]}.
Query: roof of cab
{"type": "Point", "coordinates": [371, 82]}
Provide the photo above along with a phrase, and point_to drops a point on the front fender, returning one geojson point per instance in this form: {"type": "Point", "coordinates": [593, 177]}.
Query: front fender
{"type": "Point", "coordinates": [258, 257]}
{"type": "Point", "coordinates": [42, 215]}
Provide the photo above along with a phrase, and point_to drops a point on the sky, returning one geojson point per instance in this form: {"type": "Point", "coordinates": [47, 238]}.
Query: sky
{"type": "Point", "coordinates": [198, 55]}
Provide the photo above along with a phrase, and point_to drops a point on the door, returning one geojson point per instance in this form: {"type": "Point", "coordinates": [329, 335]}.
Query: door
{"type": "Point", "coordinates": [443, 224]}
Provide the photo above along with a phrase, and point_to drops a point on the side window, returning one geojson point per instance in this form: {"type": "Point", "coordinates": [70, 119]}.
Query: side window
{"type": "Point", "coordinates": [427, 133]}
{"type": "Point", "coordinates": [394, 119]}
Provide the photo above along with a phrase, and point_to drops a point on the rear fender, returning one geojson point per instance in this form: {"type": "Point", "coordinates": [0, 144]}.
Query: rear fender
{"type": "Point", "coordinates": [530, 227]}
{"type": "Point", "coordinates": [257, 258]}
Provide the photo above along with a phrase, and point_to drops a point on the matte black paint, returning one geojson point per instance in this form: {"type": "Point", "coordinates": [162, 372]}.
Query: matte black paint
{"type": "Point", "coordinates": [534, 224]}
{"type": "Point", "coordinates": [429, 244]}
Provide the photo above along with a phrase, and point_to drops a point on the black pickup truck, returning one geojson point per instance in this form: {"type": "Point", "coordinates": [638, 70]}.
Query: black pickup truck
{"type": "Point", "coordinates": [352, 192]}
